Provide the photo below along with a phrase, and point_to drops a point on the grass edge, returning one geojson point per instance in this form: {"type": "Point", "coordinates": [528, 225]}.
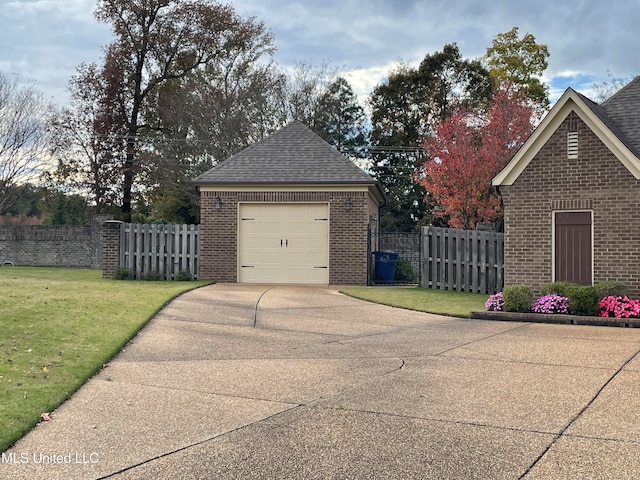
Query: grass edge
{"type": "Point", "coordinates": [54, 405]}
{"type": "Point", "coordinates": [403, 307]}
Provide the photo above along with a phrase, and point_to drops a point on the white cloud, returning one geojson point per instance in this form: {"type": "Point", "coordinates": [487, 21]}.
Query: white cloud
{"type": "Point", "coordinates": [46, 39]}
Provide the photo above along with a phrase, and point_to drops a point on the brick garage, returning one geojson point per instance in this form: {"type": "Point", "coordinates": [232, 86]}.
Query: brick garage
{"type": "Point", "coordinates": [582, 161]}
{"type": "Point", "coordinates": [291, 167]}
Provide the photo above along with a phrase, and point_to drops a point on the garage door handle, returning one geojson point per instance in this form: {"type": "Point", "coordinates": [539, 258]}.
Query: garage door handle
{"type": "Point", "coordinates": [320, 267]}
{"type": "Point", "coordinates": [280, 243]}
{"type": "Point", "coordinates": [287, 243]}
{"type": "Point", "coordinates": [248, 266]}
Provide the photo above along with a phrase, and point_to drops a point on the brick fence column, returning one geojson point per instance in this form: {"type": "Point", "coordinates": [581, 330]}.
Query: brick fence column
{"type": "Point", "coordinates": [110, 248]}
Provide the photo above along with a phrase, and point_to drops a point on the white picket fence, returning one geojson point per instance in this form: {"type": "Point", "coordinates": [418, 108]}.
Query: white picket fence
{"type": "Point", "coordinates": [462, 260]}
{"type": "Point", "coordinates": [163, 249]}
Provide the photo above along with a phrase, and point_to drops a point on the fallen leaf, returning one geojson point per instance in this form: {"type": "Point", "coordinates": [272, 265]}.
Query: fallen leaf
{"type": "Point", "coordinates": [45, 416]}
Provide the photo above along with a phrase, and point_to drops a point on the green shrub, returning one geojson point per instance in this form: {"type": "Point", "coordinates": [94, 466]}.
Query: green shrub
{"type": "Point", "coordinates": [611, 288]}
{"type": "Point", "coordinates": [123, 273]}
{"type": "Point", "coordinates": [559, 288]}
{"type": "Point", "coordinates": [184, 276]}
{"type": "Point", "coordinates": [151, 276]}
{"type": "Point", "coordinates": [517, 298]}
{"type": "Point", "coordinates": [405, 272]}
{"type": "Point", "coordinates": [583, 299]}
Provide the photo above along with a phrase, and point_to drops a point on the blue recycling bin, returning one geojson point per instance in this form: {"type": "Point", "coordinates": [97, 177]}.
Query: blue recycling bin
{"type": "Point", "coordinates": [385, 266]}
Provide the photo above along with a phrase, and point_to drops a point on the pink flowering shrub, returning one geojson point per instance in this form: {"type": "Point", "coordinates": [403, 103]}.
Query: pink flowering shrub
{"type": "Point", "coordinates": [551, 303]}
{"type": "Point", "coordinates": [495, 303]}
{"type": "Point", "coordinates": [619, 307]}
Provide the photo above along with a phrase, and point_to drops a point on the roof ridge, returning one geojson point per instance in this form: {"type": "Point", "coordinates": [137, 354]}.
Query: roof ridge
{"type": "Point", "coordinates": [292, 154]}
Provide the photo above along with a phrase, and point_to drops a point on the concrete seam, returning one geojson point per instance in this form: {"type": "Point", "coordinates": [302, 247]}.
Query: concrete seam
{"type": "Point", "coordinates": [202, 442]}
{"type": "Point", "coordinates": [480, 339]}
{"type": "Point", "coordinates": [255, 313]}
{"type": "Point", "coordinates": [577, 416]}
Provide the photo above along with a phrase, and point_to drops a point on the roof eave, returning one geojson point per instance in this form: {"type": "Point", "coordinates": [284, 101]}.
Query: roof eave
{"type": "Point", "coordinates": [373, 185]}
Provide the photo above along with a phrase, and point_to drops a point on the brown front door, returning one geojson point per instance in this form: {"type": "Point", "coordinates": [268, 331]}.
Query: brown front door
{"type": "Point", "coordinates": [573, 247]}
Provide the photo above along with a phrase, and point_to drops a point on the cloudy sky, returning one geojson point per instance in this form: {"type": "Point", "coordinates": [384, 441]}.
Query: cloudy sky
{"type": "Point", "coordinates": [44, 40]}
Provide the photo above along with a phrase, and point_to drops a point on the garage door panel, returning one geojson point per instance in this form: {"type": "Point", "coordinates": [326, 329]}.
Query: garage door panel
{"type": "Point", "coordinates": [271, 228]}
{"type": "Point", "coordinates": [306, 275]}
{"type": "Point", "coordinates": [317, 228]}
{"type": "Point", "coordinates": [306, 260]}
{"type": "Point", "coordinates": [297, 229]}
{"type": "Point", "coordinates": [285, 243]}
{"type": "Point", "coordinates": [271, 258]}
{"type": "Point", "coordinates": [258, 275]}
{"type": "Point", "coordinates": [318, 260]}
{"type": "Point", "coordinates": [248, 274]}
{"type": "Point", "coordinates": [316, 243]}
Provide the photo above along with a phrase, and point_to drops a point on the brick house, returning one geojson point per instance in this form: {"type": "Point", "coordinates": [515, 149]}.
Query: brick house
{"type": "Point", "coordinates": [287, 209]}
{"type": "Point", "coordinates": [571, 194]}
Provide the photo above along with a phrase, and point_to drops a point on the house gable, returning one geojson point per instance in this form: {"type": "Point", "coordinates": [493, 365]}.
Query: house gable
{"type": "Point", "coordinates": [293, 157]}
{"type": "Point", "coordinates": [593, 115]}
{"type": "Point", "coordinates": [598, 185]}
{"type": "Point", "coordinates": [287, 209]}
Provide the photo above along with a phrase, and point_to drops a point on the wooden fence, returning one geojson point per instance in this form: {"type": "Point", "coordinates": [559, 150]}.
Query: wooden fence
{"type": "Point", "coordinates": [462, 260]}
{"type": "Point", "coordinates": [450, 259]}
{"type": "Point", "coordinates": [163, 249]}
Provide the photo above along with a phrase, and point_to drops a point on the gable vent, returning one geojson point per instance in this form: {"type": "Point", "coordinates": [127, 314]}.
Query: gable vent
{"type": "Point", "coordinates": [572, 145]}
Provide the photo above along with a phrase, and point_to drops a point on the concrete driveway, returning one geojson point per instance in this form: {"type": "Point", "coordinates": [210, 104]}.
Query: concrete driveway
{"type": "Point", "coordinates": [260, 382]}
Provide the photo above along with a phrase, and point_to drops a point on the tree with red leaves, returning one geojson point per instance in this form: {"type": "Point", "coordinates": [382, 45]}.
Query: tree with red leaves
{"type": "Point", "coordinates": [467, 150]}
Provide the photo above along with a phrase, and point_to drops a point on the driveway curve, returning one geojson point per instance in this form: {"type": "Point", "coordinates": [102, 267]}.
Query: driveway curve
{"type": "Point", "coordinates": [286, 382]}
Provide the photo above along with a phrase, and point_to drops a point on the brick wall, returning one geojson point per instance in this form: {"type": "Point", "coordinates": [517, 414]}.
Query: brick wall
{"type": "Point", "coordinates": [110, 248]}
{"type": "Point", "coordinates": [51, 245]}
{"type": "Point", "coordinates": [595, 181]}
{"type": "Point", "coordinates": [348, 237]}
{"type": "Point", "coordinates": [347, 232]}
{"type": "Point", "coordinates": [218, 236]}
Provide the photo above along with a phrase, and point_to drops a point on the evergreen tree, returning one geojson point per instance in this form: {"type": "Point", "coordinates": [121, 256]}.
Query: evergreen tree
{"type": "Point", "coordinates": [341, 120]}
{"type": "Point", "coordinates": [405, 110]}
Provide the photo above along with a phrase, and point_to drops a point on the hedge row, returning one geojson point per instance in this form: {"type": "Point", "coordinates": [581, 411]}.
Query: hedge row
{"type": "Point", "coordinates": [604, 299]}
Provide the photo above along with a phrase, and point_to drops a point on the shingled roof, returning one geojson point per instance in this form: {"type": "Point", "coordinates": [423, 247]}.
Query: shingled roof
{"type": "Point", "coordinates": [623, 108]}
{"type": "Point", "coordinates": [291, 155]}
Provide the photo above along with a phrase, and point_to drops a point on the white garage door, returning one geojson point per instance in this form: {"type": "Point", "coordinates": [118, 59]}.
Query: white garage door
{"type": "Point", "coordinates": [283, 243]}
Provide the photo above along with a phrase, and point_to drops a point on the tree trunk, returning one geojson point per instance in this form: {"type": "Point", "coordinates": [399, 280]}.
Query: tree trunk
{"type": "Point", "coordinates": [128, 172]}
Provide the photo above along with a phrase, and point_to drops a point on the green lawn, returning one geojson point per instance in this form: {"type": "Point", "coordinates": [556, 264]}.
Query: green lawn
{"type": "Point", "coordinates": [57, 328]}
{"type": "Point", "coordinates": [443, 302]}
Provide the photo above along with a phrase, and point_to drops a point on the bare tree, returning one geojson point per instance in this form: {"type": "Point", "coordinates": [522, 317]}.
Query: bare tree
{"type": "Point", "coordinates": [23, 113]}
{"type": "Point", "coordinates": [158, 42]}
{"type": "Point", "coordinates": [305, 87]}
{"type": "Point", "coordinates": [88, 140]}
{"type": "Point", "coordinates": [607, 88]}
